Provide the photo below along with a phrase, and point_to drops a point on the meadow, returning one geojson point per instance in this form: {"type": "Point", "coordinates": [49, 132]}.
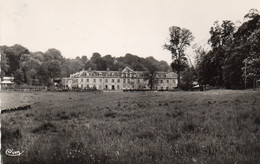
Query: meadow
{"type": "Point", "coordinates": [216, 126]}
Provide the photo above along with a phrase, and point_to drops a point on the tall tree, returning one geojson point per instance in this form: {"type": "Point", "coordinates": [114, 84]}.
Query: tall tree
{"type": "Point", "coordinates": [29, 66]}
{"type": "Point", "coordinates": [13, 55]}
{"type": "Point", "coordinates": [3, 62]}
{"type": "Point", "coordinates": [251, 67]}
{"type": "Point", "coordinates": [180, 39]}
{"type": "Point", "coordinates": [220, 41]}
{"type": "Point", "coordinates": [150, 76]}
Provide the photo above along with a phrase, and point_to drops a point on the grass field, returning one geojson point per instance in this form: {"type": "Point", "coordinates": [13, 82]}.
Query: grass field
{"type": "Point", "coordinates": [217, 126]}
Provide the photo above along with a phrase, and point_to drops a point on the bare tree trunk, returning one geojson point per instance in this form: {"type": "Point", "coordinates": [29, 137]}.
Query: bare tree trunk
{"type": "Point", "coordinates": [178, 71]}
{"type": "Point", "coordinates": [178, 79]}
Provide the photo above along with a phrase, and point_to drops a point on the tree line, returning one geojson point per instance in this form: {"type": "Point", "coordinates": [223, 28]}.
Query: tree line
{"type": "Point", "coordinates": [39, 68]}
{"type": "Point", "coordinates": [233, 60]}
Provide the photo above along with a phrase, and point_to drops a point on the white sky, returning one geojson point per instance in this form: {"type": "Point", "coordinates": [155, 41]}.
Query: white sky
{"type": "Point", "coordinates": [116, 27]}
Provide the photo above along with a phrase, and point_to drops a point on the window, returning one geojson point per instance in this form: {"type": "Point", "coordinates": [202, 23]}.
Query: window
{"type": "Point", "coordinates": [113, 80]}
{"type": "Point", "coordinates": [82, 80]}
{"type": "Point", "coordinates": [118, 87]}
{"type": "Point", "coordinates": [124, 81]}
{"type": "Point", "coordinates": [118, 80]}
{"type": "Point", "coordinates": [161, 81]}
{"type": "Point", "coordinates": [94, 80]}
{"type": "Point", "coordinates": [167, 81]}
{"type": "Point", "coordinates": [128, 80]}
{"type": "Point", "coordinates": [100, 80]}
{"type": "Point", "coordinates": [106, 80]}
{"type": "Point", "coordinates": [87, 80]}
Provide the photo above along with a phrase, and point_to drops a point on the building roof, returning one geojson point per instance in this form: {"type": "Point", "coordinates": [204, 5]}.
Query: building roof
{"type": "Point", "coordinates": [6, 82]}
{"type": "Point", "coordinates": [126, 70]}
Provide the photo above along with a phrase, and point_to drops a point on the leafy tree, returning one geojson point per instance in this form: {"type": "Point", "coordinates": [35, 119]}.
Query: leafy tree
{"type": "Point", "coordinates": [220, 40]}
{"type": "Point", "coordinates": [19, 77]}
{"type": "Point", "coordinates": [53, 54]}
{"type": "Point", "coordinates": [187, 79]}
{"type": "Point", "coordinates": [43, 72]}
{"type": "Point", "coordinates": [29, 66]}
{"type": "Point", "coordinates": [84, 60]}
{"type": "Point", "coordinates": [75, 65]}
{"type": "Point", "coordinates": [150, 76]}
{"type": "Point", "coordinates": [3, 62]}
{"type": "Point", "coordinates": [244, 48]}
{"type": "Point", "coordinates": [252, 62]}
{"type": "Point", "coordinates": [38, 55]}
{"type": "Point", "coordinates": [54, 68]}
{"type": "Point", "coordinates": [180, 39]}
{"type": "Point", "coordinates": [98, 62]}
{"type": "Point", "coordinates": [200, 54]}
{"type": "Point", "coordinates": [13, 55]}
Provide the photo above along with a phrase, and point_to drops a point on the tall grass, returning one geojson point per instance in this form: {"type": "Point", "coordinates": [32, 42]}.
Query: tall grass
{"type": "Point", "coordinates": [174, 127]}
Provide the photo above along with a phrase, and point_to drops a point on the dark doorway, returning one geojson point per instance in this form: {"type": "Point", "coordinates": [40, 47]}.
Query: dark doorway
{"type": "Point", "coordinates": [113, 87]}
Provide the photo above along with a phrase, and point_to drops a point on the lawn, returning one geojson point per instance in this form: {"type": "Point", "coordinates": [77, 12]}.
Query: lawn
{"type": "Point", "coordinates": [217, 126]}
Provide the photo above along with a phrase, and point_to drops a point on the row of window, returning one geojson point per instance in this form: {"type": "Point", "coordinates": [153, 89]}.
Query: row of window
{"type": "Point", "coordinates": [113, 80]}
{"type": "Point", "coordinates": [100, 74]}
{"type": "Point", "coordinates": [114, 74]}
{"type": "Point", "coordinates": [100, 87]}
{"type": "Point", "coordinates": [106, 80]}
{"type": "Point", "coordinates": [122, 75]}
{"type": "Point", "coordinates": [100, 80]}
{"type": "Point", "coordinates": [114, 87]}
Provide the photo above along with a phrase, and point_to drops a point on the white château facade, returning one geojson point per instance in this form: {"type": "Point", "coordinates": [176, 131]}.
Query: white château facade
{"type": "Point", "coordinates": [126, 79]}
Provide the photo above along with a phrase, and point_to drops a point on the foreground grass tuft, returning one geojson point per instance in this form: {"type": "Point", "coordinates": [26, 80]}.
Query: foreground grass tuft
{"type": "Point", "coordinates": [45, 128]}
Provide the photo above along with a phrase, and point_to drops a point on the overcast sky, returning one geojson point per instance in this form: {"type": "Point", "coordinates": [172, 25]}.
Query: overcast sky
{"type": "Point", "coordinates": [116, 27]}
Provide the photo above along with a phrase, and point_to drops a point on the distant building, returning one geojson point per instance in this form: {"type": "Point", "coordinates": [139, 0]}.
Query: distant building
{"type": "Point", "coordinates": [118, 80]}
{"type": "Point", "coordinates": [7, 81]}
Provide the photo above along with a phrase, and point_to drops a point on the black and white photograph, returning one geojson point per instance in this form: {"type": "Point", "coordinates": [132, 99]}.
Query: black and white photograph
{"type": "Point", "coordinates": [130, 81]}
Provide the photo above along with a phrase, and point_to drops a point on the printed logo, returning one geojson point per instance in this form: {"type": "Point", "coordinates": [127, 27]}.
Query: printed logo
{"type": "Point", "coordinates": [12, 153]}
